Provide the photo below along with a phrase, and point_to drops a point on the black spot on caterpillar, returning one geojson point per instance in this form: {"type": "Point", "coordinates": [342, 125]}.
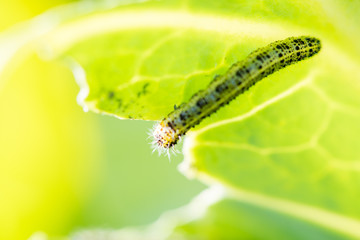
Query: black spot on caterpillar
{"type": "Point", "coordinates": [240, 77]}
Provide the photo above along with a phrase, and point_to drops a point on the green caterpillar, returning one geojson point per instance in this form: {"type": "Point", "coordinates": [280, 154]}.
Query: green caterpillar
{"type": "Point", "coordinates": [240, 77]}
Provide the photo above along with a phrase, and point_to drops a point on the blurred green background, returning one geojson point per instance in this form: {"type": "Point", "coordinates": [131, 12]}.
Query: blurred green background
{"type": "Point", "coordinates": [62, 169]}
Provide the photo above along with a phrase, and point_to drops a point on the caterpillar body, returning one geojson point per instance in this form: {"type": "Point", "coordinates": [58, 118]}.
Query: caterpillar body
{"type": "Point", "coordinates": [240, 77]}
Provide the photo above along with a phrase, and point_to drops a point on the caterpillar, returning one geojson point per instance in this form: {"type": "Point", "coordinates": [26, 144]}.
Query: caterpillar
{"type": "Point", "coordinates": [222, 89]}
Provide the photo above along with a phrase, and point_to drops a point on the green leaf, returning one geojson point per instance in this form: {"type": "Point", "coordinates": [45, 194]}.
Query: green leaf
{"type": "Point", "coordinates": [229, 218]}
{"type": "Point", "coordinates": [291, 138]}
{"type": "Point", "coordinates": [217, 215]}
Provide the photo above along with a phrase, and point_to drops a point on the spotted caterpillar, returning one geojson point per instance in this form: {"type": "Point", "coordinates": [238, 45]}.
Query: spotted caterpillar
{"type": "Point", "coordinates": [240, 77]}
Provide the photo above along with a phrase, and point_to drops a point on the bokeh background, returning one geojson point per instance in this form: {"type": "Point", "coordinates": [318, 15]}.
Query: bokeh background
{"type": "Point", "coordinates": [62, 169]}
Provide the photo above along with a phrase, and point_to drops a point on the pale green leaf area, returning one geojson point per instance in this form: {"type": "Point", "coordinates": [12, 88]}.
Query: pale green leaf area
{"type": "Point", "coordinates": [217, 214]}
{"type": "Point", "coordinates": [229, 219]}
{"type": "Point", "coordinates": [291, 141]}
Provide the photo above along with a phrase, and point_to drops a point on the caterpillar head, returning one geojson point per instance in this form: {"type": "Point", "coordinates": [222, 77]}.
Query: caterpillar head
{"type": "Point", "coordinates": [164, 137]}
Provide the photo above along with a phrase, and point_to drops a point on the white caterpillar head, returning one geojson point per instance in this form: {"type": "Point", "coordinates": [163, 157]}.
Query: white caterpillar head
{"type": "Point", "coordinates": [164, 137]}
